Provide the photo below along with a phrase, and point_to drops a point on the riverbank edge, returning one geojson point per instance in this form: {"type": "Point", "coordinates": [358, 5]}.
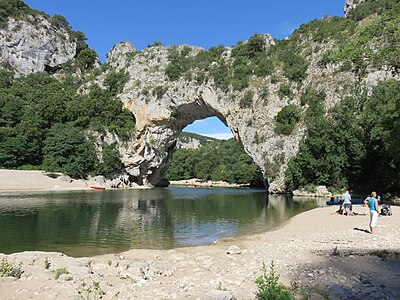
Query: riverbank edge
{"type": "Point", "coordinates": [305, 249]}
{"type": "Point", "coordinates": [36, 180]}
{"type": "Point", "coordinates": [195, 182]}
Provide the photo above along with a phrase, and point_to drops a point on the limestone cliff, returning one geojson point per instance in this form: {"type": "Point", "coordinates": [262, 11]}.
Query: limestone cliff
{"type": "Point", "coordinates": [163, 107]}
{"type": "Point", "coordinates": [188, 140]}
{"type": "Point", "coordinates": [33, 44]}
{"type": "Point", "coordinates": [351, 4]}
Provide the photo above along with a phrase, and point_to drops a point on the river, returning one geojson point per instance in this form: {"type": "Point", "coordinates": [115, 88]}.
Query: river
{"type": "Point", "coordinates": [86, 223]}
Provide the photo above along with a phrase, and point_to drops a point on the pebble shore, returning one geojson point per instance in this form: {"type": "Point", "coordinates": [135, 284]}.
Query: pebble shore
{"type": "Point", "coordinates": [329, 256]}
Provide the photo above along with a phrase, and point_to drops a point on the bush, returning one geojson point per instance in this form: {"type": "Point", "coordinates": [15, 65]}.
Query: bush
{"type": "Point", "coordinates": [220, 73]}
{"type": "Point", "coordinates": [11, 8]}
{"type": "Point", "coordinates": [312, 97]}
{"type": "Point", "coordinates": [246, 100]}
{"type": "Point", "coordinates": [10, 270]}
{"type": "Point", "coordinates": [295, 66]}
{"type": "Point", "coordinates": [159, 91]}
{"type": "Point", "coordinates": [269, 287]}
{"type": "Point", "coordinates": [155, 44]}
{"type": "Point", "coordinates": [111, 162]}
{"type": "Point", "coordinates": [66, 149]}
{"type": "Point", "coordinates": [286, 119]}
{"type": "Point", "coordinates": [115, 81]}
{"type": "Point", "coordinates": [179, 63]}
{"type": "Point", "coordinates": [59, 272]}
{"type": "Point", "coordinates": [285, 90]}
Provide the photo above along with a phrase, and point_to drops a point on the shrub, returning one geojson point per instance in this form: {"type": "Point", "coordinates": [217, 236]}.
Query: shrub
{"type": "Point", "coordinates": [90, 291]}
{"type": "Point", "coordinates": [285, 90]}
{"type": "Point", "coordinates": [155, 44]}
{"type": "Point", "coordinates": [246, 100]}
{"type": "Point", "coordinates": [251, 48]}
{"type": "Point", "coordinates": [12, 9]}
{"type": "Point", "coordinates": [269, 287]}
{"type": "Point", "coordinates": [179, 63]}
{"type": "Point", "coordinates": [47, 263]}
{"type": "Point", "coordinates": [311, 96]}
{"type": "Point", "coordinates": [159, 91]}
{"type": "Point", "coordinates": [370, 7]}
{"type": "Point", "coordinates": [8, 269]}
{"type": "Point", "coordinates": [111, 164]}
{"type": "Point", "coordinates": [59, 272]}
{"type": "Point", "coordinates": [295, 66]}
{"type": "Point", "coordinates": [220, 73]}
{"type": "Point", "coordinates": [66, 149]}
{"type": "Point", "coordinates": [115, 81]}
{"type": "Point", "coordinates": [286, 119]}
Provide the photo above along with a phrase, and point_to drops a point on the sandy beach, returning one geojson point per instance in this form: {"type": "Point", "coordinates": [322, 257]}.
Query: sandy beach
{"type": "Point", "coordinates": [329, 256]}
{"type": "Point", "coordinates": [16, 180]}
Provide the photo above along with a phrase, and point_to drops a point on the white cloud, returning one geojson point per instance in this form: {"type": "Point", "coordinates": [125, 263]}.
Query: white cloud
{"type": "Point", "coordinates": [220, 136]}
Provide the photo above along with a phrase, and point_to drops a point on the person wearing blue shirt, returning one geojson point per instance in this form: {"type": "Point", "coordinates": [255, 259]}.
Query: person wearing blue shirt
{"type": "Point", "coordinates": [372, 203]}
{"type": "Point", "coordinates": [347, 203]}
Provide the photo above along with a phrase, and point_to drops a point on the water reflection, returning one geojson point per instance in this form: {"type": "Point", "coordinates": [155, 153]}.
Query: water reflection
{"type": "Point", "coordinates": [93, 222]}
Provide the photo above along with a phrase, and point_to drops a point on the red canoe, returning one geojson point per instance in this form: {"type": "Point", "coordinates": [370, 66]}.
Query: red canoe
{"type": "Point", "coordinates": [97, 187]}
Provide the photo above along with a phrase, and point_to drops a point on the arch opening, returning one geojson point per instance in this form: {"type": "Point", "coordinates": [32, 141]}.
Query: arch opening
{"type": "Point", "coordinates": [211, 127]}
{"type": "Point", "coordinates": [207, 152]}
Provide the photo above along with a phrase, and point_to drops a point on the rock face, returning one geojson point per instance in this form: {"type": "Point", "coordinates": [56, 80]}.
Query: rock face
{"type": "Point", "coordinates": [161, 116]}
{"type": "Point", "coordinates": [351, 4]}
{"type": "Point", "coordinates": [192, 141]}
{"type": "Point", "coordinates": [34, 45]}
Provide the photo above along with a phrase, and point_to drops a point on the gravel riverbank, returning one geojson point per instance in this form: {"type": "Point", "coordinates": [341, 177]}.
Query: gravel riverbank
{"type": "Point", "coordinates": [325, 254]}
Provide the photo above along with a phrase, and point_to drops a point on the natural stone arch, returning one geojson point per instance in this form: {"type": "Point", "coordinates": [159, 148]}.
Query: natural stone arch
{"type": "Point", "coordinates": [156, 140]}
{"type": "Point", "coordinates": [163, 107]}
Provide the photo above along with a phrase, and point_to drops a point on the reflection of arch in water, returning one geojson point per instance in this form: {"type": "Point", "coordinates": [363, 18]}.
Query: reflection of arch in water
{"type": "Point", "coordinates": [89, 223]}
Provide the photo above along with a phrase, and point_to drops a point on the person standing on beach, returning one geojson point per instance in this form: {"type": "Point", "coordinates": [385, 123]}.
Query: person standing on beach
{"type": "Point", "coordinates": [373, 205]}
{"type": "Point", "coordinates": [347, 203]}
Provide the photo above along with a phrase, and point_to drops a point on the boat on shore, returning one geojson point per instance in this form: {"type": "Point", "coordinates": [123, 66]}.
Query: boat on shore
{"type": "Point", "coordinates": [97, 187]}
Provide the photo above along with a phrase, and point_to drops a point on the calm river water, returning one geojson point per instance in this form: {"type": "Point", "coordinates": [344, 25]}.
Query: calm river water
{"type": "Point", "coordinates": [83, 223]}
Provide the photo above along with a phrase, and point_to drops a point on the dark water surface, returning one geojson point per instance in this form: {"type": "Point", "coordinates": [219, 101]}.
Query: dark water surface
{"type": "Point", "coordinates": [83, 223]}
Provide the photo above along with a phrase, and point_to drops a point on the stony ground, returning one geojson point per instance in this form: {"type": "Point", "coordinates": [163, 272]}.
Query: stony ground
{"type": "Point", "coordinates": [328, 256]}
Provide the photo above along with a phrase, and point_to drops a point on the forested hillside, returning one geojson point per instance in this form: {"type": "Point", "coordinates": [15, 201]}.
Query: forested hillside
{"type": "Point", "coordinates": [219, 160]}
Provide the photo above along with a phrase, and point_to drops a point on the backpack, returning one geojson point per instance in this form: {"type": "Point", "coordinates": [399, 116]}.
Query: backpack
{"type": "Point", "coordinates": [386, 210]}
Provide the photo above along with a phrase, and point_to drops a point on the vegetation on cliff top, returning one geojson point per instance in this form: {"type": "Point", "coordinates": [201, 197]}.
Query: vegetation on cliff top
{"type": "Point", "coordinates": [350, 145]}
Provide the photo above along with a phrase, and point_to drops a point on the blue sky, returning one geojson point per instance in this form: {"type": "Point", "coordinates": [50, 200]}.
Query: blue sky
{"type": "Point", "coordinates": [203, 23]}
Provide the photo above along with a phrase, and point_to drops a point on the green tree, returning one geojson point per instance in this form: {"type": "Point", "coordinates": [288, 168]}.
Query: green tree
{"type": "Point", "coordinates": [111, 164]}
{"type": "Point", "coordinates": [66, 149]}
{"type": "Point", "coordinates": [286, 119]}
{"type": "Point", "coordinates": [381, 123]}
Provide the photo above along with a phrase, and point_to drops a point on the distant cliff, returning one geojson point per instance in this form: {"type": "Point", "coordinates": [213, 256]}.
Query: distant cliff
{"type": "Point", "coordinates": [188, 140]}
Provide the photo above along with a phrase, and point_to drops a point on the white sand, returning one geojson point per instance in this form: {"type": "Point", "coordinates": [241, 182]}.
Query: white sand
{"type": "Point", "coordinates": [15, 180]}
